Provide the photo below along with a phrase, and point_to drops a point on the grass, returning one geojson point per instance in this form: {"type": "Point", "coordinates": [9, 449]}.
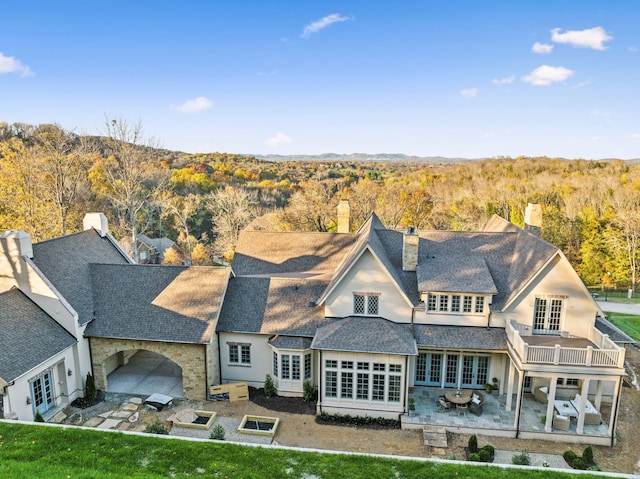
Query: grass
{"type": "Point", "coordinates": [28, 451]}
{"type": "Point", "coordinates": [629, 323]}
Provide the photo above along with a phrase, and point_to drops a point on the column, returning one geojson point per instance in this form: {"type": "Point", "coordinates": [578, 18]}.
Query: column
{"type": "Point", "coordinates": [598, 399]}
{"type": "Point", "coordinates": [509, 386]}
{"type": "Point", "coordinates": [548, 426]}
{"type": "Point", "coordinates": [584, 392]}
{"type": "Point", "coordinates": [519, 399]}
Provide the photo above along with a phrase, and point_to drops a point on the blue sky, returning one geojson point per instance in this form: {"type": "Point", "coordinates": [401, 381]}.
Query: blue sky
{"type": "Point", "coordinates": [456, 78]}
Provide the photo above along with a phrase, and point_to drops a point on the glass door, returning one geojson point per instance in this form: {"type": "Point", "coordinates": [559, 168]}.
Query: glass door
{"type": "Point", "coordinates": [429, 369]}
{"type": "Point", "coordinates": [475, 371]}
{"type": "Point", "coordinates": [42, 393]}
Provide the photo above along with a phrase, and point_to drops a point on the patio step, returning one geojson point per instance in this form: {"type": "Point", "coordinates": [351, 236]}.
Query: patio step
{"type": "Point", "coordinates": [435, 438]}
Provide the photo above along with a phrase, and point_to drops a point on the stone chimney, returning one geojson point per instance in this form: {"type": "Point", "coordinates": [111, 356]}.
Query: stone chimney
{"type": "Point", "coordinates": [15, 244]}
{"type": "Point", "coordinates": [98, 221]}
{"type": "Point", "coordinates": [410, 241]}
{"type": "Point", "coordinates": [533, 218]}
{"type": "Point", "coordinates": [344, 216]}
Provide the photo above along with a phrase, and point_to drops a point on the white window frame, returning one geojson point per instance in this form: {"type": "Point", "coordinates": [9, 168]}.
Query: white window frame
{"type": "Point", "coordinates": [370, 304]}
{"type": "Point", "coordinates": [551, 317]}
{"type": "Point", "coordinates": [456, 303]}
{"type": "Point", "coordinates": [239, 354]}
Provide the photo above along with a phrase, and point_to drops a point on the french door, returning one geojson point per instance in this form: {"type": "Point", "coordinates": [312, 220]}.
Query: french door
{"type": "Point", "coordinates": [42, 393]}
{"type": "Point", "coordinates": [451, 370]}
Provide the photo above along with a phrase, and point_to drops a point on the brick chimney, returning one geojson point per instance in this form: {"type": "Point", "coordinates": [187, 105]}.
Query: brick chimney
{"type": "Point", "coordinates": [98, 221]}
{"type": "Point", "coordinates": [15, 244]}
{"type": "Point", "coordinates": [410, 241]}
{"type": "Point", "coordinates": [533, 218]}
{"type": "Point", "coordinates": [344, 216]}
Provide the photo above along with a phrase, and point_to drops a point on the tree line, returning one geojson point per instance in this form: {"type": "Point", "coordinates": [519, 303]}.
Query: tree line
{"type": "Point", "coordinates": [49, 177]}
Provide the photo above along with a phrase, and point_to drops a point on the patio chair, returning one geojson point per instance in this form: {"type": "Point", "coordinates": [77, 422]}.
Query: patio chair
{"type": "Point", "coordinates": [475, 406]}
{"type": "Point", "coordinates": [561, 422]}
{"type": "Point", "coordinates": [462, 409]}
{"type": "Point", "coordinates": [444, 404]}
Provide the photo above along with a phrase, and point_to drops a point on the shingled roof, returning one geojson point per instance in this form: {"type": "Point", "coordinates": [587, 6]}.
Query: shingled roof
{"type": "Point", "coordinates": [65, 262]}
{"type": "Point", "coordinates": [460, 337]}
{"type": "Point", "coordinates": [455, 274]}
{"type": "Point", "coordinates": [157, 303]}
{"type": "Point", "coordinates": [28, 335]}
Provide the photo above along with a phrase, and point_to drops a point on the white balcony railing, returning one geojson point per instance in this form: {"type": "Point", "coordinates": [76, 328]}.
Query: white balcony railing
{"type": "Point", "coordinates": [605, 354]}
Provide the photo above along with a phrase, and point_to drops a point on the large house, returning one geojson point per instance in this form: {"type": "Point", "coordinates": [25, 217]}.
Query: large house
{"type": "Point", "coordinates": [369, 318]}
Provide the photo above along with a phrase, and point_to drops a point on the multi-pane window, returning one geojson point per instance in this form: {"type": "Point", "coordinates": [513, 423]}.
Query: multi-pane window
{"type": "Point", "coordinates": [331, 363]}
{"type": "Point", "coordinates": [547, 314]}
{"type": "Point", "coordinates": [455, 303]}
{"type": "Point", "coordinates": [467, 304]}
{"type": "Point", "coordinates": [567, 382]}
{"type": "Point", "coordinates": [364, 381]}
{"type": "Point", "coordinates": [346, 385]}
{"type": "Point", "coordinates": [362, 386]}
{"type": "Point", "coordinates": [394, 388]}
{"type": "Point", "coordinates": [444, 302]}
{"type": "Point", "coordinates": [286, 366]}
{"type": "Point", "coordinates": [295, 367]}
{"type": "Point", "coordinates": [331, 384]}
{"type": "Point", "coordinates": [275, 364]}
{"type": "Point", "coordinates": [432, 302]}
{"type": "Point", "coordinates": [377, 391]}
{"type": "Point", "coordinates": [479, 304]}
{"type": "Point", "coordinates": [240, 353]}
{"type": "Point", "coordinates": [366, 303]}
{"type": "Point", "coordinates": [307, 366]}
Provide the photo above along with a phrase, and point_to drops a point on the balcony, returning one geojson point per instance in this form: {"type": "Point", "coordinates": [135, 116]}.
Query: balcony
{"type": "Point", "coordinates": [563, 350]}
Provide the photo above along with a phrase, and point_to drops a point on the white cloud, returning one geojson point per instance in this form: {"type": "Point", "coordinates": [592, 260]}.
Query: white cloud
{"type": "Point", "coordinates": [469, 92]}
{"type": "Point", "coordinates": [279, 139]}
{"type": "Point", "coordinates": [590, 38]}
{"type": "Point", "coordinates": [318, 25]}
{"type": "Point", "coordinates": [582, 84]}
{"type": "Point", "coordinates": [194, 105]}
{"type": "Point", "coordinates": [541, 48]}
{"type": "Point", "coordinates": [545, 75]}
{"type": "Point", "coordinates": [503, 81]}
{"type": "Point", "coordinates": [636, 136]}
{"type": "Point", "coordinates": [266, 74]}
{"type": "Point", "coordinates": [13, 65]}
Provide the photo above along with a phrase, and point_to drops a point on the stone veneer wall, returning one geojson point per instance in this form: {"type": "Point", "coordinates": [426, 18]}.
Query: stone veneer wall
{"type": "Point", "coordinates": [190, 357]}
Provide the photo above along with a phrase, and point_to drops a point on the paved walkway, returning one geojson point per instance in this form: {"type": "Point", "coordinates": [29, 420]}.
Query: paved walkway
{"type": "Point", "coordinates": [624, 308]}
{"type": "Point", "coordinates": [538, 460]}
{"type": "Point", "coordinates": [147, 373]}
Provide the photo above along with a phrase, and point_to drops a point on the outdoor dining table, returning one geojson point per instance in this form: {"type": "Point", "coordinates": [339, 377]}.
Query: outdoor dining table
{"type": "Point", "coordinates": [463, 398]}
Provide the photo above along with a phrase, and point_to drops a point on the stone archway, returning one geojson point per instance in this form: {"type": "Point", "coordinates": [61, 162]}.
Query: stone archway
{"type": "Point", "coordinates": [191, 358]}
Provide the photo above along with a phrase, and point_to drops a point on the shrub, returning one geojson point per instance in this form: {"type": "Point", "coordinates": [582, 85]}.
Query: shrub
{"type": "Point", "coordinates": [157, 427]}
{"type": "Point", "coordinates": [474, 457]}
{"type": "Point", "coordinates": [587, 455]}
{"type": "Point", "coordinates": [569, 457]}
{"type": "Point", "coordinates": [217, 432]}
{"type": "Point", "coordinates": [522, 459]}
{"type": "Point", "coordinates": [473, 444]}
{"type": "Point", "coordinates": [308, 391]}
{"type": "Point", "coordinates": [485, 456]}
{"type": "Point", "coordinates": [490, 449]}
{"type": "Point", "coordinates": [578, 463]}
{"type": "Point", "coordinates": [269, 386]}
{"type": "Point", "coordinates": [90, 390]}
{"type": "Point", "coordinates": [38, 417]}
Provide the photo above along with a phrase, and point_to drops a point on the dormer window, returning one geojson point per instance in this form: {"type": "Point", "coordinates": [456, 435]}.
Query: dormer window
{"type": "Point", "coordinates": [366, 303]}
{"type": "Point", "coordinates": [455, 303]}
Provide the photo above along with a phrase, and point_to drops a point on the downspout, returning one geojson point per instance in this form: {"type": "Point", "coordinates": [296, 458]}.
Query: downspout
{"type": "Point", "coordinates": [319, 405]}
{"type": "Point", "coordinates": [615, 417]}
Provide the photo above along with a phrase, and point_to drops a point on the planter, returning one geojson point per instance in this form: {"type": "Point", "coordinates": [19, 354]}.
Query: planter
{"type": "Point", "coordinates": [259, 425]}
{"type": "Point", "coordinates": [194, 419]}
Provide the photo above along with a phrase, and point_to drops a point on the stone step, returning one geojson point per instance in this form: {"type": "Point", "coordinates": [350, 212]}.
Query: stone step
{"type": "Point", "coordinates": [435, 436]}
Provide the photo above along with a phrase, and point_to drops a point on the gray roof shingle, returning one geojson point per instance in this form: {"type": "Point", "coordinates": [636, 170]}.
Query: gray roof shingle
{"type": "Point", "coordinates": [290, 342]}
{"type": "Point", "coordinates": [460, 337]}
{"type": "Point", "coordinates": [28, 335]}
{"type": "Point", "coordinates": [366, 335]}
{"type": "Point", "coordinates": [615, 334]}
{"type": "Point", "coordinates": [455, 274]}
{"type": "Point", "coordinates": [157, 303]}
{"type": "Point", "coordinates": [65, 262]}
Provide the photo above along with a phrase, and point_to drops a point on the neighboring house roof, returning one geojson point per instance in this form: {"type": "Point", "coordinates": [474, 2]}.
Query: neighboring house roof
{"type": "Point", "coordinates": [272, 306]}
{"type": "Point", "coordinates": [65, 262]}
{"type": "Point", "coordinates": [157, 303]}
{"type": "Point", "coordinates": [159, 244]}
{"type": "Point", "coordinates": [28, 335]}
{"type": "Point", "coordinates": [366, 335]}
{"type": "Point", "coordinates": [455, 274]}
{"type": "Point", "coordinates": [290, 342]}
{"type": "Point", "coordinates": [615, 334]}
{"type": "Point", "coordinates": [460, 337]}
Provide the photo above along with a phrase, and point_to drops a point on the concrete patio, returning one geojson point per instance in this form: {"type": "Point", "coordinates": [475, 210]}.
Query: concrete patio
{"type": "Point", "coordinates": [147, 373]}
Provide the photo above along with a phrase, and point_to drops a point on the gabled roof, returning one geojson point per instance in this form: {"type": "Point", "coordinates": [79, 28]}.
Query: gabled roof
{"type": "Point", "coordinates": [290, 342]}
{"type": "Point", "coordinates": [157, 303]}
{"type": "Point", "coordinates": [65, 262]}
{"type": "Point", "coordinates": [455, 274]}
{"type": "Point", "coordinates": [272, 306]}
{"type": "Point", "coordinates": [28, 335]}
{"type": "Point", "coordinates": [460, 337]}
{"type": "Point", "coordinates": [366, 335]}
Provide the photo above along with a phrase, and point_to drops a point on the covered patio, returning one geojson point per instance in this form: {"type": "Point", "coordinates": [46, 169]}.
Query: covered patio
{"type": "Point", "coordinates": [495, 420]}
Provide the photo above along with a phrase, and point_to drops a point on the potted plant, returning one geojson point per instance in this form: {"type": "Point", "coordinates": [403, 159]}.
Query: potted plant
{"type": "Point", "coordinates": [488, 387]}
{"type": "Point", "coordinates": [412, 407]}
{"type": "Point", "coordinates": [495, 385]}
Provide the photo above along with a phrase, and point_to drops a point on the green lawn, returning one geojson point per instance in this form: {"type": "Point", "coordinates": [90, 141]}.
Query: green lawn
{"type": "Point", "coordinates": [630, 324]}
{"type": "Point", "coordinates": [40, 451]}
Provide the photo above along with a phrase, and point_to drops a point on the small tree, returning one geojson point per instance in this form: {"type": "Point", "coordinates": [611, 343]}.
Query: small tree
{"type": "Point", "coordinates": [473, 444]}
{"type": "Point", "coordinates": [269, 386]}
{"type": "Point", "coordinates": [522, 459]}
{"type": "Point", "coordinates": [217, 433]}
{"type": "Point", "coordinates": [308, 391]}
{"type": "Point", "coordinates": [587, 455]}
{"type": "Point", "coordinates": [38, 417]}
{"type": "Point", "coordinates": [90, 390]}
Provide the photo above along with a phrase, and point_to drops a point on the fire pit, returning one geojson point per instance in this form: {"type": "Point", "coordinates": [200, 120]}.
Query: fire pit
{"type": "Point", "coordinates": [259, 425]}
{"type": "Point", "coordinates": [194, 419]}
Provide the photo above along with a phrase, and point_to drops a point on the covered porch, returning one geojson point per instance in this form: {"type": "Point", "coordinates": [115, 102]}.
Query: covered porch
{"type": "Point", "coordinates": [495, 420]}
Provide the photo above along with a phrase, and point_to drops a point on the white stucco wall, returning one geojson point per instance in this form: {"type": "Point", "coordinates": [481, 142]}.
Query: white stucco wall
{"type": "Point", "coordinates": [557, 279]}
{"type": "Point", "coordinates": [368, 276]}
{"type": "Point", "coordinates": [260, 365]}
{"type": "Point", "coordinates": [15, 401]}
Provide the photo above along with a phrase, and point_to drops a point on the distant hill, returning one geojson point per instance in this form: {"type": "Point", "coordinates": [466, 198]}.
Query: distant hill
{"type": "Point", "coordinates": [358, 157]}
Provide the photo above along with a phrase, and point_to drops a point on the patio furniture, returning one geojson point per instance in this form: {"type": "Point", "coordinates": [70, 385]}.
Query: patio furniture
{"type": "Point", "coordinates": [561, 422]}
{"type": "Point", "coordinates": [564, 408]}
{"type": "Point", "coordinates": [444, 404]}
{"type": "Point", "coordinates": [458, 397]}
{"type": "Point", "coordinates": [591, 414]}
{"type": "Point", "coordinates": [462, 409]}
{"type": "Point", "coordinates": [475, 406]}
{"type": "Point", "coordinates": [542, 394]}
